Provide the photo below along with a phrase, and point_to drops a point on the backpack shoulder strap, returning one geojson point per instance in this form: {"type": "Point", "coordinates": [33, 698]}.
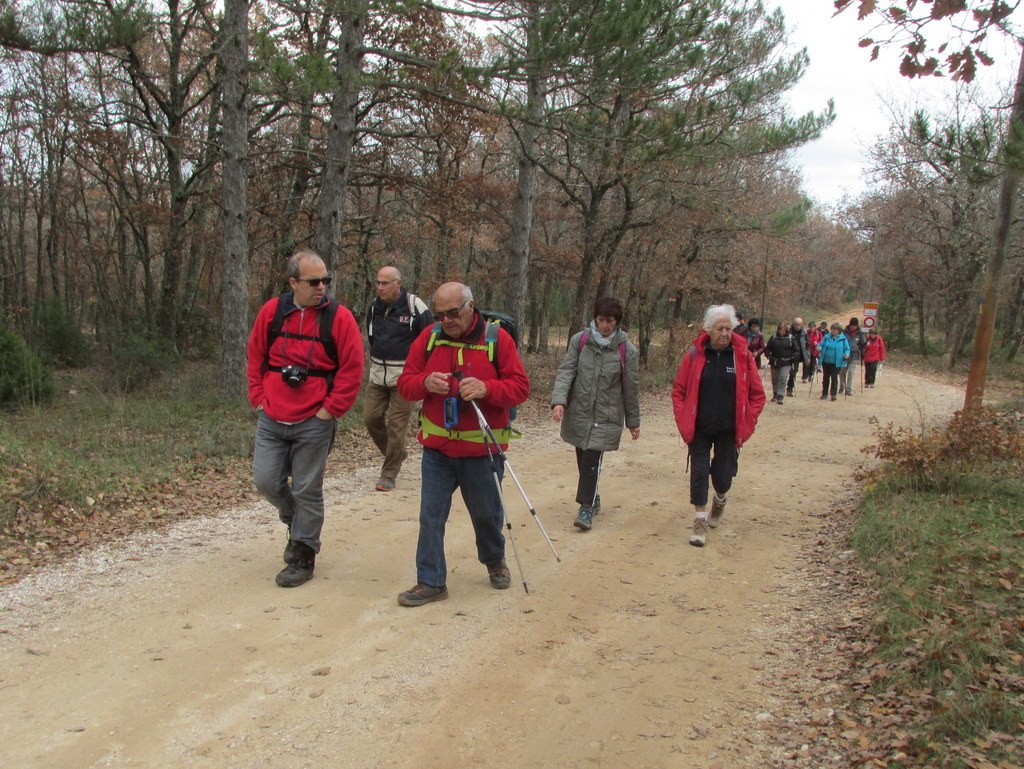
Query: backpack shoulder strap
{"type": "Point", "coordinates": [435, 332]}
{"type": "Point", "coordinates": [326, 337]}
{"type": "Point", "coordinates": [583, 340]}
{"type": "Point", "coordinates": [327, 316]}
{"type": "Point", "coordinates": [411, 299]}
{"type": "Point", "coordinates": [276, 325]}
{"type": "Point", "coordinates": [491, 339]}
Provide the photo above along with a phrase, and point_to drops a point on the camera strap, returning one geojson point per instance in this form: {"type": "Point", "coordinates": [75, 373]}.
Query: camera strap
{"type": "Point", "coordinates": [309, 371]}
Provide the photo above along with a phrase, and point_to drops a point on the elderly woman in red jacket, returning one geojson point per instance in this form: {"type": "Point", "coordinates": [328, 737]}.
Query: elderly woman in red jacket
{"type": "Point", "coordinates": [717, 397]}
{"type": "Point", "coordinates": [874, 354]}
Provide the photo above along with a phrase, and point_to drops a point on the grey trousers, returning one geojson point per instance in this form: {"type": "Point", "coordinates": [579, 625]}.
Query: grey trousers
{"type": "Point", "coordinates": [848, 376]}
{"type": "Point", "coordinates": [386, 416]}
{"type": "Point", "coordinates": [780, 376]}
{"type": "Point", "coordinates": [298, 451]}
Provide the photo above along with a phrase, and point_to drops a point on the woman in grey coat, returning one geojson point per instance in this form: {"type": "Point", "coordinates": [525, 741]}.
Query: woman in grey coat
{"type": "Point", "coordinates": [597, 391]}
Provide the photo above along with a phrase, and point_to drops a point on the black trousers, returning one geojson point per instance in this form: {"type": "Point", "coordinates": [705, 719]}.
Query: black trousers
{"type": "Point", "coordinates": [589, 463]}
{"type": "Point", "coordinates": [829, 379]}
{"type": "Point", "coordinates": [870, 372]}
{"type": "Point", "coordinates": [720, 470]}
{"type": "Point", "coordinates": [808, 370]}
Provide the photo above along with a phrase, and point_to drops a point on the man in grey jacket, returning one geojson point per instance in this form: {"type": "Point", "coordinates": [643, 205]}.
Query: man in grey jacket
{"type": "Point", "coordinates": [799, 334]}
{"type": "Point", "coordinates": [858, 342]}
{"type": "Point", "coordinates": [597, 390]}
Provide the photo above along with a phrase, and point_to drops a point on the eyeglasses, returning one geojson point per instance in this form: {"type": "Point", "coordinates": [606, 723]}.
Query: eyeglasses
{"type": "Point", "coordinates": [450, 314]}
{"type": "Point", "coordinates": [314, 282]}
{"type": "Point", "coordinates": [385, 282]}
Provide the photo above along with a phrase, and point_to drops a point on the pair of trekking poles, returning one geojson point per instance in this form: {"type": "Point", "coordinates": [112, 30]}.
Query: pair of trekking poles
{"type": "Point", "coordinates": [494, 453]}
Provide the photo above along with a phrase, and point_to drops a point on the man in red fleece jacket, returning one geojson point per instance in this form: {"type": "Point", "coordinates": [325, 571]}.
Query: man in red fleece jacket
{"type": "Point", "coordinates": [299, 392]}
{"type": "Point", "coordinates": [458, 368]}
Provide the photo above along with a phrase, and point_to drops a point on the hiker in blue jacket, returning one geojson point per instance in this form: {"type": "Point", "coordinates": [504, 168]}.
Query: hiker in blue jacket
{"type": "Point", "coordinates": [597, 390]}
{"type": "Point", "coordinates": [834, 349]}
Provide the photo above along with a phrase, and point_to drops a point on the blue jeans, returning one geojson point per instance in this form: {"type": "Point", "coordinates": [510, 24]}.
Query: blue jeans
{"type": "Point", "coordinates": [441, 476]}
{"type": "Point", "coordinates": [300, 451]}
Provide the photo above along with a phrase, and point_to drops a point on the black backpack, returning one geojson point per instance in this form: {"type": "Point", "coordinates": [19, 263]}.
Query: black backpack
{"type": "Point", "coordinates": [494, 321]}
{"type": "Point", "coordinates": [325, 338]}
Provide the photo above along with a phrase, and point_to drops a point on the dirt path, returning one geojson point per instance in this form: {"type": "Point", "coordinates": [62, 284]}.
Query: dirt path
{"type": "Point", "coordinates": [636, 650]}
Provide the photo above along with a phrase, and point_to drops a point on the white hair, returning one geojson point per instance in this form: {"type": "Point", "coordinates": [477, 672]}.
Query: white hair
{"type": "Point", "coordinates": [716, 311]}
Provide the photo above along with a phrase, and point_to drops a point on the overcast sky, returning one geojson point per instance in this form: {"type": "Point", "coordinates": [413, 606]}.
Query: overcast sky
{"type": "Point", "coordinates": [833, 165]}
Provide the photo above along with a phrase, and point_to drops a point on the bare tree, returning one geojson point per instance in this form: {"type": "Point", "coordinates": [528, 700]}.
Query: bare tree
{"type": "Point", "coordinates": [234, 319]}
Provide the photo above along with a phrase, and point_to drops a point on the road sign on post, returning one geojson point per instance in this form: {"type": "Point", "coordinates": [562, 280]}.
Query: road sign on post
{"type": "Point", "coordinates": [870, 314]}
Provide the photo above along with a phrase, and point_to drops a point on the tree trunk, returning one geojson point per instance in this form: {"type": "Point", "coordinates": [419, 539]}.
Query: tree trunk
{"type": "Point", "coordinates": [526, 182]}
{"type": "Point", "coordinates": [1012, 328]}
{"type": "Point", "coordinates": [234, 317]}
{"type": "Point", "coordinates": [341, 134]}
{"type": "Point", "coordinates": [922, 340]}
{"type": "Point", "coordinates": [997, 259]}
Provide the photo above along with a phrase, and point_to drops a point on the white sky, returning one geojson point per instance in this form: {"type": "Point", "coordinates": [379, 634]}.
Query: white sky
{"type": "Point", "coordinates": [833, 165]}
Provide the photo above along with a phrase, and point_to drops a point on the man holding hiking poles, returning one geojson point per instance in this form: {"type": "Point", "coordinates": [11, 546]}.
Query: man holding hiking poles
{"type": "Point", "coordinates": [458, 360]}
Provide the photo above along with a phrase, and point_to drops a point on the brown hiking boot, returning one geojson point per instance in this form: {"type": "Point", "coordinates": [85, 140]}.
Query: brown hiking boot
{"type": "Point", "coordinates": [419, 594]}
{"type": "Point", "coordinates": [717, 511]}
{"type": "Point", "coordinates": [499, 574]}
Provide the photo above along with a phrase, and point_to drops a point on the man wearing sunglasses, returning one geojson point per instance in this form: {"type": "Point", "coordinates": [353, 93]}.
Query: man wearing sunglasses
{"type": "Point", "coordinates": [299, 388]}
{"type": "Point", "coordinates": [393, 320]}
{"type": "Point", "coordinates": [459, 368]}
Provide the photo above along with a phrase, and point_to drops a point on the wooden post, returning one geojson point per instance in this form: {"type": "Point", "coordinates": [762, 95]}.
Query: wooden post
{"type": "Point", "coordinates": [997, 260]}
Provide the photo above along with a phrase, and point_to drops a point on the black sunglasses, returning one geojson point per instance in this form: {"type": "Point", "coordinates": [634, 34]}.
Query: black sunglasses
{"type": "Point", "coordinates": [450, 314]}
{"type": "Point", "coordinates": [314, 282]}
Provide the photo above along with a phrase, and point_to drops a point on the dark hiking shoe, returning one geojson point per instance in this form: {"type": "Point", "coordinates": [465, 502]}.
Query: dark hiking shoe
{"type": "Point", "coordinates": [385, 484]}
{"type": "Point", "coordinates": [289, 551]}
{"type": "Point", "coordinates": [584, 519]}
{"type": "Point", "coordinates": [717, 511]}
{"type": "Point", "coordinates": [789, 393]}
{"type": "Point", "coordinates": [300, 568]}
{"type": "Point", "coordinates": [499, 574]}
{"type": "Point", "coordinates": [833, 397]}
{"type": "Point", "coordinates": [419, 594]}
{"type": "Point", "coordinates": [824, 396]}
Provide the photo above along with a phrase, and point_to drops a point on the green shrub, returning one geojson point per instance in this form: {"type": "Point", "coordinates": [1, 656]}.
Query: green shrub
{"type": "Point", "coordinates": [24, 378]}
{"type": "Point", "coordinates": [135, 360]}
{"type": "Point", "coordinates": [57, 338]}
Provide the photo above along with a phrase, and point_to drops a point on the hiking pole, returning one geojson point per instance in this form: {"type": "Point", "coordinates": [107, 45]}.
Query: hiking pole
{"type": "Point", "coordinates": [501, 453]}
{"type": "Point", "coordinates": [501, 501]}
{"type": "Point", "coordinates": [597, 484]}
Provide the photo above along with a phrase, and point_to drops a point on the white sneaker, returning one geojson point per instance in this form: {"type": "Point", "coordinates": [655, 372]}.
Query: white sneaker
{"type": "Point", "coordinates": [717, 511]}
{"type": "Point", "coordinates": [699, 538]}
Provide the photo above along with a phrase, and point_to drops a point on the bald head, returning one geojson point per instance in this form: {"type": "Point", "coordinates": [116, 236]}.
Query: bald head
{"type": "Point", "coordinates": [389, 284]}
{"type": "Point", "coordinates": [453, 306]}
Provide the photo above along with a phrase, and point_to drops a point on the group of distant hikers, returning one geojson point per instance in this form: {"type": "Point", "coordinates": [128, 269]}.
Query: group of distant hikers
{"type": "Point", "coordinates": [461, 366]}
{"type": "Point", "coordinates": [835, 351]}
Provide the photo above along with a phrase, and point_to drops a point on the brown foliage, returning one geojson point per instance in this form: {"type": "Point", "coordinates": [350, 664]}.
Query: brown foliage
{"type": "Point", "coordinates": [934, 456]}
